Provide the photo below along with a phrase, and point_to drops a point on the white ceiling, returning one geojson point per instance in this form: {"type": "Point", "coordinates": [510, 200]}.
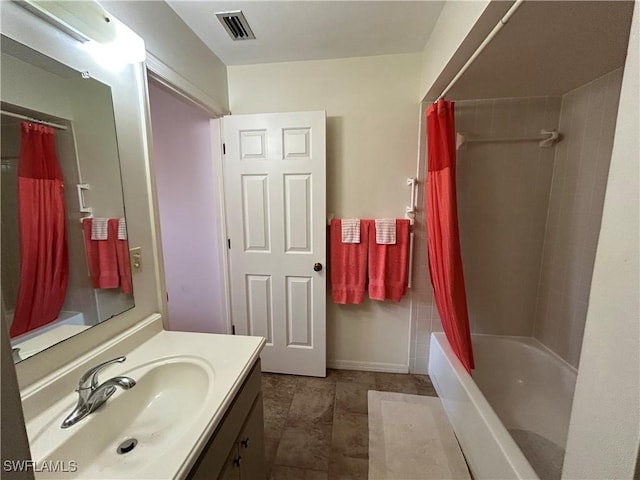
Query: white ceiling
{"type": "Point", "coordinates": [312, 30]}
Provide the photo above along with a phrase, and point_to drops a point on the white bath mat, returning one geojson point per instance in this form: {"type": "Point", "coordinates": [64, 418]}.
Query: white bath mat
{"type": "Point", "coordinates": [410, 438]}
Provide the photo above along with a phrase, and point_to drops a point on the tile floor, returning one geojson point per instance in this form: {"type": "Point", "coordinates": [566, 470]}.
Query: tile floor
{"type": "Point", "coordinates": [317, 428]}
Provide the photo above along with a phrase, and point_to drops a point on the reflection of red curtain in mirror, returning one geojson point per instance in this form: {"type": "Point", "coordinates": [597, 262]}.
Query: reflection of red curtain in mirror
{"type": "Point", "coordinates": [443, 239]}
{"type": "Point", "coordinates": [44, 262]}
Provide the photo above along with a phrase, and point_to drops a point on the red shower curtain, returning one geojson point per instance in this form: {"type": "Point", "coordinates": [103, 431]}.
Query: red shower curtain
{"type": "Point", "coordinates": [44, 263]}
{"type": "Point", "coordinates": [445, 260]}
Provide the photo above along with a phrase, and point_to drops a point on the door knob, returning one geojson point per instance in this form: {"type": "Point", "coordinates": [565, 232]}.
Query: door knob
{"type": "Point", "coordinates": [317, 267]}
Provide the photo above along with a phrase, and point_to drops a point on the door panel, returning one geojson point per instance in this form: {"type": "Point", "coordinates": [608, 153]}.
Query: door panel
{"type": "Point", "coordinates": [259, 300]}
{"type": "Point", "coordinates": [299, 312]}
{"type": "Point", "coordinates": [255, 202]}
{"type": "Point", "coordinates": [274, 171]}
{"type": "Point", "coordinates": [297, 196]}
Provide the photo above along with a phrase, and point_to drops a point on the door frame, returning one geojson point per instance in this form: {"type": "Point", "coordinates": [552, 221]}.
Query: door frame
{"type": "Point", "coordinates": [159, 72]}
{"type": "Point", "coordinates": [217, 136]}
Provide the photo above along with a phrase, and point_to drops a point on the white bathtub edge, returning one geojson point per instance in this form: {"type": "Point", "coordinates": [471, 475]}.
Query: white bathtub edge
{"type": "Point", "coordinates": [488, 448]}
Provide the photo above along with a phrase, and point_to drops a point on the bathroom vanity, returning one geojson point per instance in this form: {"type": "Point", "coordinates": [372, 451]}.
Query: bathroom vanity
{"type": "Point", "coordinates": [195, 411]}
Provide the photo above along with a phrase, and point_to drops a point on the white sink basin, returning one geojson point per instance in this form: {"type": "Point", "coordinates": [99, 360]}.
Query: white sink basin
{"type": "Point", "coordinates": [168, 397]}
{"type": "Point", "coordinates": [174, 408]}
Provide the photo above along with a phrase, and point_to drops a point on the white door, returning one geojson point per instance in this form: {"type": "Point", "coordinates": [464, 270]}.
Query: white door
{"type": "Point", "coordinates": [275, 182]}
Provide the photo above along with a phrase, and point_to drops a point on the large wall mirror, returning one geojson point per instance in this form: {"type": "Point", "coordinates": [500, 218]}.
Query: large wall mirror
{"type": "Point", "coordinates": [64, 247]}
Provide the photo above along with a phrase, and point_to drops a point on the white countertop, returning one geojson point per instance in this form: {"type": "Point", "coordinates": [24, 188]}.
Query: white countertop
{"type": "Point", "coordinates": [227, 359]}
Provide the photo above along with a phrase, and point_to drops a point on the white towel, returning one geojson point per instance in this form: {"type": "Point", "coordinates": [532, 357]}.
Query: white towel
{"type": "Point", "coordinates": [122, 229]}
{"type": "Point", "coordinates": [99, 229]}
{"type": "Point", "coordinates": [350, 230]}
{"type": "Point", "coordinates": [386, 231]}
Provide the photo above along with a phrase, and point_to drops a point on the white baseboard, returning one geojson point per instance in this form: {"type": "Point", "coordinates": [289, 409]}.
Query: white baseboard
{"type": "Point", "coordinates": [368, 366]}
{"type": "Point", "coordinates": [421, 371]}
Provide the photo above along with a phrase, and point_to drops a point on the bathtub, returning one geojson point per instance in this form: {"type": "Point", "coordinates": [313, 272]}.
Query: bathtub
{"type": "Point", "coordinates": [512, 417]}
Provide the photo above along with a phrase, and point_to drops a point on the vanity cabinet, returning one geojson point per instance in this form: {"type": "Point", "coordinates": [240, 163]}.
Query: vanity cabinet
{"type": "Point", "coordinates": [246, 460]}
{"type": "Point", "coordinates": [235, 451]}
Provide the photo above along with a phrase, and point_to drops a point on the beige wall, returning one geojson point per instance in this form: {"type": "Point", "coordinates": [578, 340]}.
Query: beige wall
{"type": "Point", "coordinates": [587, 124]}
{"type": "Point", "coordinates": [169, 39]}
{"type": "Point", "coordinates": [503, 191]}
{"type": "Point", "coordinates": [603, 434]}
{"type": "Point", "coordinates": [372, 127]}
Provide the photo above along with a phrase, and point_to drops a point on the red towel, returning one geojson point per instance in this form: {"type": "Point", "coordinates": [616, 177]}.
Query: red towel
{"type": "Point", "coordinates": [388, 264]}
{"type": "Point", "coordinates": [108, 259]}
{"type": "Point", "coordinates": [91, 248]}
{"type": "Point", "coordinates": [122, 256]}
{"type": "Point", "coordinates": [348, 265]}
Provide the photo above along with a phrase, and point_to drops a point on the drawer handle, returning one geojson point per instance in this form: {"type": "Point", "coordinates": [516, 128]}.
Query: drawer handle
{"type": "Point", "coordinates": [236, 461]}
{"type": "Point", "coordinates": [245, 442]}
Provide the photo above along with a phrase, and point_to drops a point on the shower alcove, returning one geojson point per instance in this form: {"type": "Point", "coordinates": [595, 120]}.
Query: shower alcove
{"type": "Point", "coordinates": [530, 214]}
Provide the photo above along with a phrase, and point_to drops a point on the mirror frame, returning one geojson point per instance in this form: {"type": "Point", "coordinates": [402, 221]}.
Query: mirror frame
{"type": "Point", "coordinates": [131, 112]}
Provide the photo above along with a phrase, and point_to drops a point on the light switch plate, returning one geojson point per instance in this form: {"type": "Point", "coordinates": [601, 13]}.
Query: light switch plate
{"type": "Point", "coordinates": [135, 256]}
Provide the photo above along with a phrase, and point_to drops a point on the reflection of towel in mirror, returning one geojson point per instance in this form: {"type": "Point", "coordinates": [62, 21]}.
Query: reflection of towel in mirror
{"type": "Point", "coordinates": [108, 259]}
{"type": "Point", "coordinates": [99, 228]}
{"type": "Point", "coordinates": [122, 254]}
{"type": "Point", "coordinates": [122, 229]}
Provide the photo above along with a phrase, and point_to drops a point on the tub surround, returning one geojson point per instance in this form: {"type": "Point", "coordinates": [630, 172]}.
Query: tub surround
{"type": "Point", "coordinates": [208, 370]}
{"type": "Point", "coordinates": [587, 122]}
{"type": "Point", "coordinates": [503, 199]}
{"type": "Point", "coordinates": [534, 213]}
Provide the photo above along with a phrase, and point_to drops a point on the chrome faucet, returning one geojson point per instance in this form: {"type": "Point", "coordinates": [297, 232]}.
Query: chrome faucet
{"type": "Point", "coordinates": [92, 394]}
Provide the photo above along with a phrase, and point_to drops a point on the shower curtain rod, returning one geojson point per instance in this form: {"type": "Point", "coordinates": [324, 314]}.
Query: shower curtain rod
{"type": "Point", "coordinates": [34, 120]}
{"type": "Point", "coordinates": [503, 21]}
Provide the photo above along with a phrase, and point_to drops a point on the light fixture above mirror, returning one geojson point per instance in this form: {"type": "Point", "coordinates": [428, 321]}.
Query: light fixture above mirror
{"type": "Point", "coordinates": [112, 44]}
{"type": "Point", "coordinates": [82, 21]}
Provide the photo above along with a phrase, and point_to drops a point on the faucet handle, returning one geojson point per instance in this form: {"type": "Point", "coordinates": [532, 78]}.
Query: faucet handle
{"type": "Point", "coordinates": [90, 379]}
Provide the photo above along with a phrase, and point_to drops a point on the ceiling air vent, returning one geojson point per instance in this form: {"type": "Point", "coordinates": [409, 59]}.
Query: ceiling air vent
{"type": "Point", "coordinates": [236, 25]}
